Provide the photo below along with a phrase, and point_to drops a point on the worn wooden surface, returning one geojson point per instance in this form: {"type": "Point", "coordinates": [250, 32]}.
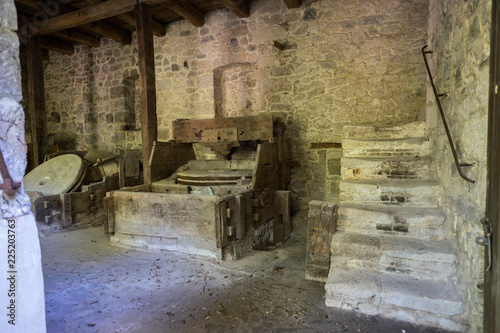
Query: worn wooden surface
{"type": "Point", "coordinates": [166, 158]}
{"type": "Point", "coordinates": [282, 225]}
{"type": "Point", "coordinates": [36, 99]}
{"type": "Point", "coordinates": [170, 215]}
{"type": "Point", "coordinates": [147, 84]}
{"type": "Point", "coordinates": [249, 128]}
{"type": "Point", "coordinates": [321, 224]}
{"type": "Point", "coordinates": [186, 10]}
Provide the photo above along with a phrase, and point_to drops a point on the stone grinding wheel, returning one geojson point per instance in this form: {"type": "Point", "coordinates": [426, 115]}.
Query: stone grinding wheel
{"type": "Point", "coordinates": [58, 175]}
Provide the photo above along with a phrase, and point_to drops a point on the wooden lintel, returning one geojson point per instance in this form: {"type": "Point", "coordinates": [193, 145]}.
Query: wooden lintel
{"type": "Point", "coordinates": [186, 10]}
{"type": "Point", "coordinates": [239, 7]}
{"type": "Point", "coordinates": [22, 53]}
{"type": "Point", "coordinates": [292, 3]}
{"type": "Point", "coordinates": [147, 84]}
{"type": "Point", "coordinates": [87, 15]}
{"type": "Point", "coordinates": [101, 28]}
{"type": "Point", "coordinates": [34, 64]}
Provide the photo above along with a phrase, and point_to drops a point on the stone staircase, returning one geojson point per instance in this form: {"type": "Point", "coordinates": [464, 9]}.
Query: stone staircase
{"type": "Point", "coordinates": [390, 255]}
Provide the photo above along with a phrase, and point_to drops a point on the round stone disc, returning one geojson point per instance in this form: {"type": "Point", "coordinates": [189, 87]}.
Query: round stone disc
{"type": "Point", "coordinates": [56, 176]}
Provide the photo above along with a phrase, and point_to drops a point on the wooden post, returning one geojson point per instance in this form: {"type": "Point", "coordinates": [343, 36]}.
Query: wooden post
{"type": "Point", "coordinates": [147, 84]}
{"type": "Point", "coordinates": [34, 62]}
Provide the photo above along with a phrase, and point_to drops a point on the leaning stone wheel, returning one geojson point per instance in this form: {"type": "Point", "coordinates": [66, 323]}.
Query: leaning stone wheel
{"type": "Point", "coordinates": [58, 175]}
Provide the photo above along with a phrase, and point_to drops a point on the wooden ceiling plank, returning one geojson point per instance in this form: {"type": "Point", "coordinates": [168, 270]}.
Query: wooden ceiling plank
{"type": "Point", "coordinates": [186, 10]}
{"type": "Point", "coordinates": [292, 3]}
{"type": "Point", "coordinates": [239, 7]}
{"type": "Point", "coordinates": [101, 28]}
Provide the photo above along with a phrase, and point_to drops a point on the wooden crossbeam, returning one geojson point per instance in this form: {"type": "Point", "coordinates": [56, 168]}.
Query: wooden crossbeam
{"type": "Point", "coordinates": [159, 29]}
{"type": "Point", "coordinates": [147, 85]}
{"type": "Point", "coordinates": [238, 7]}
{"type": "Point", "coordinates": [101, 28]}
{"type": "Point", "coordinates": [292, 3]}
{"type": "Point", "coordinates": [78, 37]}
{"type": "Point", "coordinates": [54, 44]}
{"type": "Point", "coordinates": [186, 10]}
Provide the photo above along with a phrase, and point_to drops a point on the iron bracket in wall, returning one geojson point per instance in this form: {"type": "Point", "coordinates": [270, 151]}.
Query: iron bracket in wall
{"type": "Point", "coordinates": [486, 240]}
{"type": "Point", "coordinates": [443, 118]}
{"type": "Point", "coordinates": [9, 186]}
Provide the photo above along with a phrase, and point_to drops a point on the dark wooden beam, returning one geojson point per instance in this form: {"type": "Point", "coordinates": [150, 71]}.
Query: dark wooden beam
{"type": "Point", "coordinates": [22, 53]}
{"type": "Point", "coordinates": [78, 37]}
{"type": "Point", "coordinates": [67, 35]}
{"type": "Point", "coordinates": [87, 15]}
{"type": "Point", "coordinates": [34, 65]}
{"type": "Point", "coordinates": [102, 28]}
{"type": "Point", "coordinates": [238, 7]}
{"type": "Point", "coordinates": [149, 127]}
{"type": "Point", "coordinates": [159, 29]}
{"type": "Point", "coordinates": [186, 10]}
{"type": "Point", "coordinates": [54, 44]}
{"type": "Point", "coordinates": [292, 3]}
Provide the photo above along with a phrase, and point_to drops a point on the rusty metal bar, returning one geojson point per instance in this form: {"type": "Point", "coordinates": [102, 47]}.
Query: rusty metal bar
{"type": "Point", "coordinates": [450, 140]}
{"type": "Point", "coordinates": [9, 186]}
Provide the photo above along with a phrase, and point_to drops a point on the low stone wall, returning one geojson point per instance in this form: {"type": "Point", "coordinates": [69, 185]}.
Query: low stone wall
{"type": "Point", "coordinates": [459, 35]}
{"type": "Point", "coordinates": [343, 62]}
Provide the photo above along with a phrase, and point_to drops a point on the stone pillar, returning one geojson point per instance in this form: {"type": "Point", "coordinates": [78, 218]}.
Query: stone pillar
{"type": "Point", "coordinates": [22, 304]}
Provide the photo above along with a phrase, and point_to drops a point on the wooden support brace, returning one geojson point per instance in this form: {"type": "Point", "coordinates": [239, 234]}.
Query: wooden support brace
{"type": "Point", "coordinates": [147, 84]}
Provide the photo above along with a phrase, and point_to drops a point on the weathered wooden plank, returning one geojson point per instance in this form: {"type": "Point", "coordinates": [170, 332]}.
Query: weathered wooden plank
{"type": "Point", "coordinates": [321, 224]}
{"type": "Point", "coordinates": [147, 84]}
{"type": "Point", "coordinates": [86, 15]}
{"type": "Point", "coordinates": [292, 3]}
{"type": "Point", "coordinates": [34, 62]}
{"type": "Point", "coordinates": [240, 8]}
{"type": "Point", "coordinates": [282, 226]}
{"type": "Point", "coordinates": [249, 128]}
{"type": "Point", "coordinates": [186, 10]}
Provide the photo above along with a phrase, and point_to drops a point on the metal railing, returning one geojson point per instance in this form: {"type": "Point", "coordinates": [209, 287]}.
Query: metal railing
{"type": "Point", "coordinates": [440, 107]}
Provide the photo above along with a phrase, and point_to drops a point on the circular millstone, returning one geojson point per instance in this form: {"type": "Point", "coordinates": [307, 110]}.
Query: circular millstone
{"type": "Point", "coordinates": [212, 177]}
{"type": "Point", "coordinates": [58, 175]}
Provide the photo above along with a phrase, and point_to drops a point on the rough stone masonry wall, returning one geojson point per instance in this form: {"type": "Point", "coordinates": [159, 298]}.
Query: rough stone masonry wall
{"type": "Point", "coordinates": [21, 290]}
{"type": "Point", "coordinates": [459, 33]}
{"type": "Point", "coordinates": [344, 62]}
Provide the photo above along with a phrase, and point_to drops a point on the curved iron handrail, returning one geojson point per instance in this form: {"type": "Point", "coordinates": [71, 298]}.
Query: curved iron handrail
{"type": "Point", "coordinates": [450, 140]}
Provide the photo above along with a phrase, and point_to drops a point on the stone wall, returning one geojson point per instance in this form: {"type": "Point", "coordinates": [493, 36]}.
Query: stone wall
{"type": "Point", "coordinates": [21, 288]}
{"type": "Point", "coordinates": [342, 62]}
{"type": "Point", "coordinates": [459, 34]}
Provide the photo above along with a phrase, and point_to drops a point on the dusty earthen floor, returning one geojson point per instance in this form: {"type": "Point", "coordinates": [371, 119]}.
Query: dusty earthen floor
{"type": "Point", "coordinates": [91, 286]}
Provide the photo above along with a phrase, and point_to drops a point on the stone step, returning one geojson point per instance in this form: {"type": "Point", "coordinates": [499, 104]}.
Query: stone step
{"type": "Point", "coordinates": [408, 147]}
{"type": "Point", "coordinates": [383, 168]}
{"type": "Point", "coordinates": [411, 130]}
{"type": "Point", "coordinates": [431, 259]}
{"type": "Point", "coordinates": [406, 221]}
{"type": "Point", "coordinates": [390, 192]}
{"type": "Point", "coordinates": [419, 301]}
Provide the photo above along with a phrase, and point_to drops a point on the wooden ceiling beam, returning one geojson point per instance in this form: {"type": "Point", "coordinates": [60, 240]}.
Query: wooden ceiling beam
{"type": "Point", "coordinates": [292, 3]}
{"type": "Point", "coordinates": [67, 35]}
{"type": "Point", "coordinates": [87, 15]}
{"type": "Point", "coordinates": [54, 44]}
{"type": "Point", "coordinates": [239, 7]}
{"type": "Point", "coordinates": [159, 29]}
{"type": "Point", "coordinates": [186, 10]}
{"type": "Point", "coordinates": [22, 53]}
{"type": "Point", "coordinates": [102, 28]}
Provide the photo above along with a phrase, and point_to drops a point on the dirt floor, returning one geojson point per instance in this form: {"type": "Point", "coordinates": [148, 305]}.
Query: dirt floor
{"type": "Point", "coordinates": [91, 286]}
